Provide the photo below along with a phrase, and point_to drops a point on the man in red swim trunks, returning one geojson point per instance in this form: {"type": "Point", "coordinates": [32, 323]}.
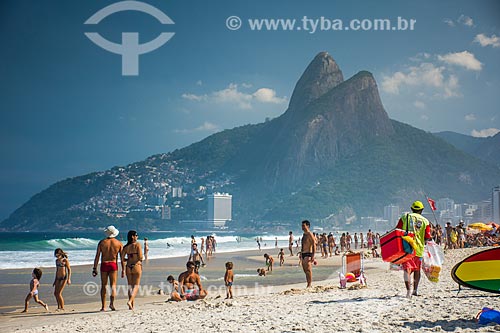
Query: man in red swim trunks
{"type": "Point", "coordinates": [108, 250]}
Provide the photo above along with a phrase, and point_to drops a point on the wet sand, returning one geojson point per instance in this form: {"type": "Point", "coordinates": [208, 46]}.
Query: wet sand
{"type": "Point", "coordinates": [14, 283]}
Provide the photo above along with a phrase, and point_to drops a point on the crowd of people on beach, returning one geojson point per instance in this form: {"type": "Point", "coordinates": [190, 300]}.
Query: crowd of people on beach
{"type": "Point", "coordinates": [111, 252]}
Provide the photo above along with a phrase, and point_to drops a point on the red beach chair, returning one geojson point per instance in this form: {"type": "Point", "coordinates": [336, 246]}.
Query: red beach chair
{"type": "Point", "coordinates": [352, 262]}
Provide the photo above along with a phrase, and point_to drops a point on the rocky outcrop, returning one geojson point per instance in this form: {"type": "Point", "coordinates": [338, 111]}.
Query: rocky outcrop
{"type": "Point", "coordinates": [320, 76]}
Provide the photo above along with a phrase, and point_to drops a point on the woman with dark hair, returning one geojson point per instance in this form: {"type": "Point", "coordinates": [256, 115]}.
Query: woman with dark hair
{"type": "Point", "coordinates": [132, 254]}
{"type": "Point", "coordinates": [63, 276]}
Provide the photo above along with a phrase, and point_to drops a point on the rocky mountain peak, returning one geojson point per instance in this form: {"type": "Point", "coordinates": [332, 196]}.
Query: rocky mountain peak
{"type": "Point", "coordinates": [320, 76]}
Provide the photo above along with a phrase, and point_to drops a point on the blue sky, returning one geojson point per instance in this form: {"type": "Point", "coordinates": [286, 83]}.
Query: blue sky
{"type": "Point", "coordinates": [66, 109]}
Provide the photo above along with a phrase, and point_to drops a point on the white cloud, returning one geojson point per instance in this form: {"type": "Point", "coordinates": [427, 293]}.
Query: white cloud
{"type": "Point", "coordinates": [266, 95]}
{"type": "Point", "coordinates": [424, 75]}
{"type": "Point", "coordinates": [242, 100]}
{"type": "Point", "coordinates": [246, 85]}
{"type": "Point", "coordinates": [466, 20]}
{"type": "Point", "coordinates": [451, 87]}
{"type": "Point", "coordinates": [484, 40]}
{"type": "Point", "coordinates": [464, 59]}
{"type": "Point", "coordinates": [420, 56]}
{"type": "Point", "coordinates": [232, 95]}
{"type": "Point", "coordinates": [449, 22]}
{"type": "Point", "coordinates": [419, 105]}
{"type": "Point", "coordinates": [485, 132]}
{"type": "Point", "coordinates": [199, 83]}
{"type": "Point", "coordinates": [193, 97]}
{"type": "Point", "coordinates": [424, 117]}
{"type": "Point", "coordinates": [205, 127]}
{"type": "Point", "coordinates": [470, 117]}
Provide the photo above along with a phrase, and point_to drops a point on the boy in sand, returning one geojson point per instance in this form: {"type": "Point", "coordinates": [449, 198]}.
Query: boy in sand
{"type": "Point", "coordinates": [187, 282]}
{"type": "Point", "coordinates": [261, 271]}
{"type": "Point", "coordinates": [34, 283]}
{"type": "Point", "coordinates": [269, 262]}
{"type": "Point", "coordinates": [281, 256]}
{"type": "Point", "coordinates": [228, 279]}
{"type": "Point", "coordinates": [175, 294]}
{"type": "Point", "coordinates": [108, 250]}
{"type": "Point", "coordinates": [307, 251]}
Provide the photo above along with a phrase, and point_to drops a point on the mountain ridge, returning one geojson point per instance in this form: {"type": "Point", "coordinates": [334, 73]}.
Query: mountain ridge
{"type": "Point", "coordinates": [333, 154]}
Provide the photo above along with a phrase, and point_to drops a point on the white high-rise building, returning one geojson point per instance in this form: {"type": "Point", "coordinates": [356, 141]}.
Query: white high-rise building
{"type": "Point", "coordinates": [391, 214]}
{"type": "Point", "coordinates": [495, 203]}
{"type": "Point", "coordinates": [219, 209]}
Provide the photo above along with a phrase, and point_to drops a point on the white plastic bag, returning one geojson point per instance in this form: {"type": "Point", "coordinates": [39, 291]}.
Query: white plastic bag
{"type": "Point", "coordinates": [432, 261]}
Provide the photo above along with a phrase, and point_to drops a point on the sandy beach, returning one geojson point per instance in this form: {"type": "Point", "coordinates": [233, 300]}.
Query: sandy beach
{"type": "Point", "coordinates": [275, 303]}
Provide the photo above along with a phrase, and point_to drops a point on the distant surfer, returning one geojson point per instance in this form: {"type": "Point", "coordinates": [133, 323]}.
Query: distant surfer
{"type": "Point", "coordinates": [417, 224]}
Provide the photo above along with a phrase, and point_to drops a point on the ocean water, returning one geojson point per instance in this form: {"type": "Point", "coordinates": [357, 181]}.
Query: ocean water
{"type": "Point", "coordinates": [36, 249]}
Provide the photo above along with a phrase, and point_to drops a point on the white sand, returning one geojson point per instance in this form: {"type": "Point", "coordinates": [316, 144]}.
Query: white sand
{"type": "Point", "coordinates": [381, 307]}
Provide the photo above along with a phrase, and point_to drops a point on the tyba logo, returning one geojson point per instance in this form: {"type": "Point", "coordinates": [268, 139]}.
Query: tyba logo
{"type": "Point", "coordinates": [130, 49]}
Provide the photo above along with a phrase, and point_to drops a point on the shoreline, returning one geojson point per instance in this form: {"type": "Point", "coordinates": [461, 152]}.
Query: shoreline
{"type": "Point", "coordinates": [85, 289]}
{"type": "Point", "coordinates": [381, 307]}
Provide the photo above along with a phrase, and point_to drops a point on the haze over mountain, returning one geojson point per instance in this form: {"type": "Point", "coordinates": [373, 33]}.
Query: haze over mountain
{"type": "Point", "coordinates": [333, 156]}
{"type": "Point", "coordinates": [487, 149]}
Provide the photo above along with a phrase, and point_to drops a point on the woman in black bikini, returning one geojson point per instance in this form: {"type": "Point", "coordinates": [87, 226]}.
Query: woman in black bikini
{"type": "Point", "coordinates": [132, 253]}
{"type": "Point", "coordinates": [63, 276]}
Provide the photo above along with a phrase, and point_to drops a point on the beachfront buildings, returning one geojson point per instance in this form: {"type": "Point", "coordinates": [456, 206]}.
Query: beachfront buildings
{"type": "Point", "coordinates": [219, 209]}
{"type": "Point", "coordinates": [392, 213]}
{"type": "Point", "coordinates": [495, 202]}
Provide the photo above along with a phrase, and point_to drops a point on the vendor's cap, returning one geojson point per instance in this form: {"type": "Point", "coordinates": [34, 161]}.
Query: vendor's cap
{"type": "Point", "coordinates": [111, 231]}
{"type": "Point", "coordinates": [417, 205]}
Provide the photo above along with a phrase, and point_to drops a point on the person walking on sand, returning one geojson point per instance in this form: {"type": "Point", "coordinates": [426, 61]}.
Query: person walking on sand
{"type": "Point", "coordinates": [108, 251]}
{"type": "Point", "coordinates": [281, 256]}
{"type": "Point", "coordinates": [417, 224]}
{"type": "Point", "coordinates": [36, 275]}
{"type": "Point", "coordinates": [290, 243]}
{"type": "Point", "coordinates": [307, 251]}
{"type": "Point", "coordinates": [62, 277]}
{"type": "Point", "coordinates": [196, 257]}
{"type": "Point", "coordinates": [132, 254]}
{"type": "Point", "coordinates": [187, 282]}
{"type": "Point", "coordinates": [228, 279]}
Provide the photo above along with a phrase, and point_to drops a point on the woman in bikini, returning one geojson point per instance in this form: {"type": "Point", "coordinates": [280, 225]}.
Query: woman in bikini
{"type": "Point", "coordinates": [63, 276]}
{"type": "Point", "coordinates": [132, 253]}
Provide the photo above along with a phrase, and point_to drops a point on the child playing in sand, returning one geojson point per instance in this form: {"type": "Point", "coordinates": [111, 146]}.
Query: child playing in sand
{"type": "Point", "coordinates": [228, 279]}
{"type": "Point", "coordinates": [35, 282]}
{"type": "Point", "coordinates": [269, 262]}
{"type": "Point", "coordinates": [261, 271]}
{"type": "Point", "coordinates": [281, 255]}
{"type": "Point", "coordinates": [174, 295]}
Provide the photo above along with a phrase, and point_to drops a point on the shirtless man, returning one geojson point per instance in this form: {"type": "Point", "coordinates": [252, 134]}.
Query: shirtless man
{"type": "Point", "coordinates": [307, 251]}
{"type": "Point", "coordinates": [108, 250]}
{"type": "Point", "coordinates": [290, 243]}
{"type": "Point", "coordinates": [187, 282]}
{"type": "Point", "coordinates": [196, 257]}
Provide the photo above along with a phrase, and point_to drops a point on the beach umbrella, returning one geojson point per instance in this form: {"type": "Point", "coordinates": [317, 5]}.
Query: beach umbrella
{"type": "Point", "coordinates": [480, 226]}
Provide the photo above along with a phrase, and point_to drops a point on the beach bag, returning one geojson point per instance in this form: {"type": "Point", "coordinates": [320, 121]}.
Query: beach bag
{"type": "Point", "coordinates": [432, 261]}
{"type": "Point", "coordinates": [488, 315]}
